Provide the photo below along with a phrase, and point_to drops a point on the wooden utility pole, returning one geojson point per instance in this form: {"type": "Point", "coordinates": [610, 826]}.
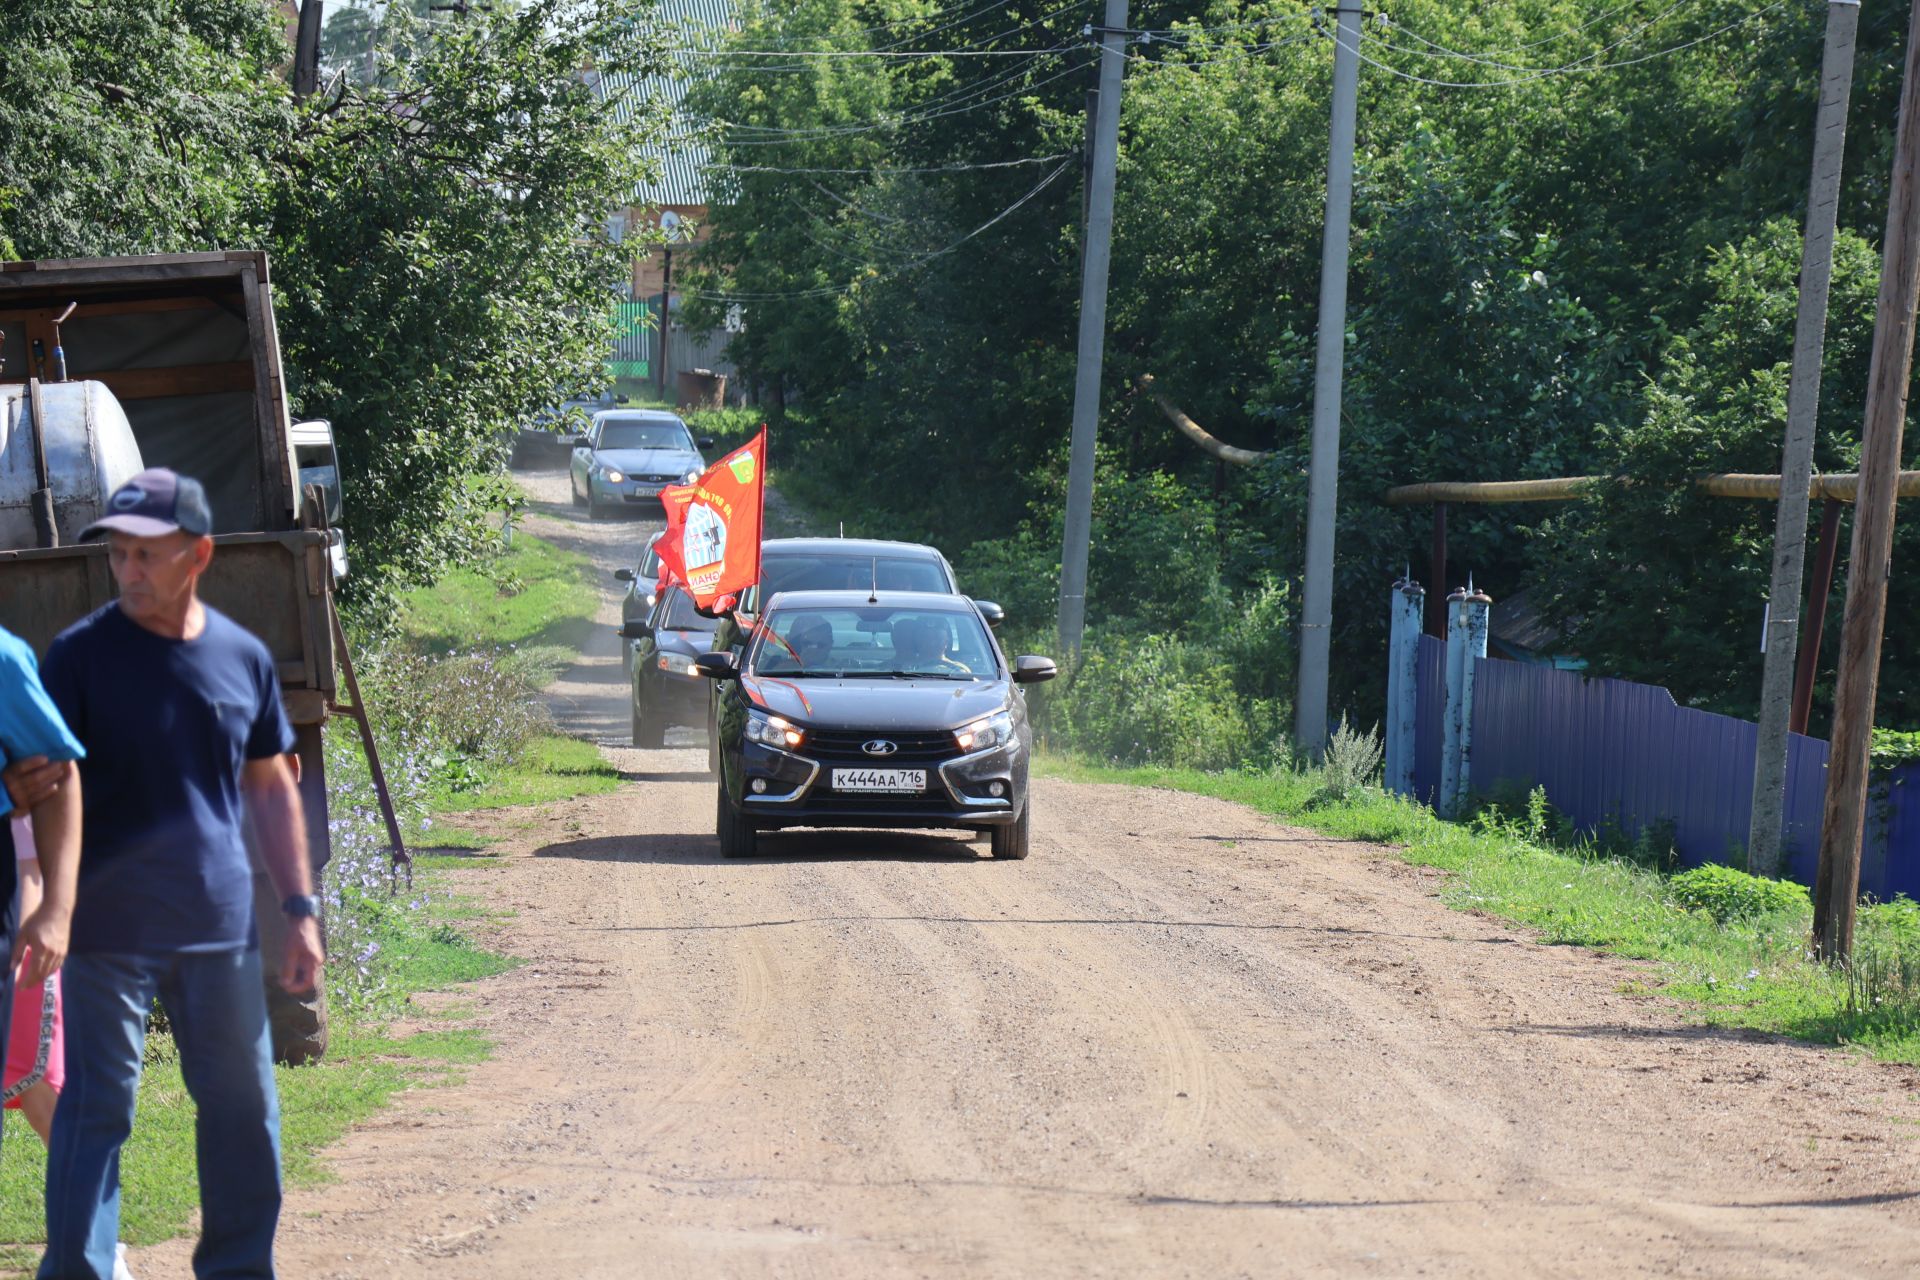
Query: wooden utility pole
{"type": "Point", "coordinates": [1837, 885]}
{"type": "Point", "coordinates": [1323, 459]}
{"type": "Point", "coordinates": [1796, 455]}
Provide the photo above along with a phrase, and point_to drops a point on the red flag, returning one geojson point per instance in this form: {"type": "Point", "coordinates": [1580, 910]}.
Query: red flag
{"type": "Point", "coordinates": [712, 543]}
{"type": "Point", "coordinates": [673, 500]}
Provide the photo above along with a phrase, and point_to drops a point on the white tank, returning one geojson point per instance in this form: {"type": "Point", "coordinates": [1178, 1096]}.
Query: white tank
{"type": "Point", "coordinates": [90, 453]}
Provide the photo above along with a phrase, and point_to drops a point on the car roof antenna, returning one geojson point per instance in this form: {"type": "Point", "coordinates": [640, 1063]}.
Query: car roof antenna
{"type": "Point", "coordinates": [873, 595]}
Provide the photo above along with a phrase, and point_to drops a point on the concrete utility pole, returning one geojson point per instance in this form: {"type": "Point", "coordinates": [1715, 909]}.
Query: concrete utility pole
{"type": "Point", "coordinates": [1094, 261]}
{"type": "Point", "coordinates": [1796, 458]}
{"type": "Point", "coordinates": [1837, 886]}
{"type": "Point", "coordinates": [1323, 467]}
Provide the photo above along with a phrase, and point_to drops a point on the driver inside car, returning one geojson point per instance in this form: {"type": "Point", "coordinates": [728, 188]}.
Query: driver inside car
{"type": "Point", "coordinates": [920, 645]}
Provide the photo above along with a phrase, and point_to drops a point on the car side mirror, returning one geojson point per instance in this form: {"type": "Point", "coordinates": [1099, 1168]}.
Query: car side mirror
{"type": "Point", "coordinates": [623, 575]}
{"type": "Point", "coordinates": [638, 630]}
{"type": "Point", "coordinates": [581, 442]}
{"type": "Point", "coordinates": [705, 442]}
{"type": "Point", "coordinates": [992, 612]}
{"type": "Point", "coordinates": [717, 666]}
{"type": "Point", "coordinates": [1032, 669]}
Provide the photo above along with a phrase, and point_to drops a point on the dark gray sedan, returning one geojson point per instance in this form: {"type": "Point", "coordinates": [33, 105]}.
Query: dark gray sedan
{"type": "Point", "coordinates": [629, 456]}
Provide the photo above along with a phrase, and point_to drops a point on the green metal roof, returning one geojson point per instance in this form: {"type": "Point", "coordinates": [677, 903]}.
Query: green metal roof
{"type": "Point", "coordinates": [682, 161]}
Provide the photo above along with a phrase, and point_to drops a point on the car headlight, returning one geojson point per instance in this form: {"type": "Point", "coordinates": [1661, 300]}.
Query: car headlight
{"type": "Point", "coordinates": [611, 476]}
{"type": "Point", "coordinates": [677, 663]}
{"type": "Point", "coordinates": [690, 477]}
{"type": "Point", "coordinates": [994, 731]}
{"type": "Point", "coordinates": [774, 731]}
{"type": "Point", "coordinates": [651, 597]}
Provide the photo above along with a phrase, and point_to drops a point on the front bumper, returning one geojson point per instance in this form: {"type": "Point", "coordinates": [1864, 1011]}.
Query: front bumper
{"type": "Point", "coordinates": [799, 791]}
{"type": "Point", "coordinates": [632, 490]}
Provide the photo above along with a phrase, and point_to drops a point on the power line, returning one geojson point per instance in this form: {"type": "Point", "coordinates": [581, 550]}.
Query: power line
{"type": "Point", "coordinates": [1442, 51]}
{"type": "Point", "coordinates": [881, 172]}
{"type": "Point", "coordinates": [875, 53]}
{"type": "Point", "coordinates": [830, 290]}
{"type": "Point", "coordinates": [770, 136]}
{"type": "Point", "coordinates": [897, 23]}
{"type": "Point", "coordinates": [1580, 66]}
{"type": "Point", "coordinates": [898, 47]}
{"type": "Point", "coordinates": [984, 85]}
{"type": "Point", "coordinates": [1222, 54]}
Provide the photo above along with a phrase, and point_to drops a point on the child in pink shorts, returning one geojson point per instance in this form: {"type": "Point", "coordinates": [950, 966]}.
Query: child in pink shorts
{"type": "Point", "coordinates": [24, 1057]}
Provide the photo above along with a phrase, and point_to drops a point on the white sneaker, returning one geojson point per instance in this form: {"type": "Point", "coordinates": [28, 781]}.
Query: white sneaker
{"type": "Point", "coordinates": [120, 1271]}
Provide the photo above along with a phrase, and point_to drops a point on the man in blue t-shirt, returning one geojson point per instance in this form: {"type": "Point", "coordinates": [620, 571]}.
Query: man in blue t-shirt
{"type": "Point", "coordinates": [179, 709]}
{"type": "Point", "coordinates": [33, 736]}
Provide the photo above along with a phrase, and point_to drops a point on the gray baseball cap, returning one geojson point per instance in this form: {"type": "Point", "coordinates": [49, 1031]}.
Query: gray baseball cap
{"type": "Point", "coordinates": [156, 502]}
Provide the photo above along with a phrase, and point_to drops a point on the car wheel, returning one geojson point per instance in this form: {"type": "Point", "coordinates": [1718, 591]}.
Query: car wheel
{"type": "Point", "coordinates": [648, 731]}
{"type": "Point", "coordinates": [1011, 841]}
{"type": "Point", "coordinates": [738, 835]}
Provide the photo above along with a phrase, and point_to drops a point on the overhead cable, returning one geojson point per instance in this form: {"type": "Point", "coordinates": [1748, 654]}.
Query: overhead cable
{"type": "Point", "coordinates": [1578, 67]}
{"type": "Point", "coordinates": [1442, 51]}
{"type": "Point", "coordinates": [886, 171]}
{"type": "Point", "coordinates": [830, 290]}
{"type": "Point", "coordinates": [769, 136]}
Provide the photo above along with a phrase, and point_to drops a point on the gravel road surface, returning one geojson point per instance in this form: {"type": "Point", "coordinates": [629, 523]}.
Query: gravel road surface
{"type": "Point", "coordinates": [1180, 1040]}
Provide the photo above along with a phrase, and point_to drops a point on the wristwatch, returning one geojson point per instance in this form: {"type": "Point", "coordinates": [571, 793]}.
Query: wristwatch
{"type": "Point", "coordinates": [301, 906]}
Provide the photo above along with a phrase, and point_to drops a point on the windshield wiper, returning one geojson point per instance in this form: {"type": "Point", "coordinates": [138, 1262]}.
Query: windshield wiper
{"type": "Point", "coordinates": [909, 675]}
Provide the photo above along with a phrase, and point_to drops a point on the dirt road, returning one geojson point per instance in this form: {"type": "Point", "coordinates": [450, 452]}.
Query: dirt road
{"type": "Point", "coordinates": [1178, 1041]}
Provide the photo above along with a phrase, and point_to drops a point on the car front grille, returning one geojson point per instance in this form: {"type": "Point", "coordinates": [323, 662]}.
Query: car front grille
{"type": "Point", "coordinates": [911, 750]}
{"type": "Point", "coordinates": [658, 479]}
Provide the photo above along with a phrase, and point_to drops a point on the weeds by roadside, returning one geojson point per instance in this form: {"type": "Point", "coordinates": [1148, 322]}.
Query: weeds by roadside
{"type": "Point", "coordinates": [1731, 948]}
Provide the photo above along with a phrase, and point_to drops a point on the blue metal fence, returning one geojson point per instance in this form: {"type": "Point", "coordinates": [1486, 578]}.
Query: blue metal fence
{"type": "Point", "coordinates": [1612, 753]}
{"type": "Point", "coordinates": [1430, 704]}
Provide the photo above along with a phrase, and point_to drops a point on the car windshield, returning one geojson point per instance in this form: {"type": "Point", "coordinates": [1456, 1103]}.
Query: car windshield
{"type": "Point", "coordinates": [677, 613]}
{"type": "Point", "coordinates": [641, 433]}
{"type": "Point", "coordinates": [874, 641]}
{"type": "Point", "coordinates": [854, 573]}
{"type": "Point", "coordinates": [650, 560]}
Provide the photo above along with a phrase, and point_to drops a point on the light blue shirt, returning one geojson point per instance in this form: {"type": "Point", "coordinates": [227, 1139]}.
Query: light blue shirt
{"type": "Point", "coordinates": [29, 723]}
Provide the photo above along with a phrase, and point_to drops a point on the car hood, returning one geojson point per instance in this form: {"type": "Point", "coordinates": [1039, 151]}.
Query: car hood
{"type": "Point", "coordinates": [657, 462]}
{"type": "Point", "coordinates": [878, 704]}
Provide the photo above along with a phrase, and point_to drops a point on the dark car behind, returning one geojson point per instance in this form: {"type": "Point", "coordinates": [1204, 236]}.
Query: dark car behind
{"type": "Point", "coordinates": [643, 589]}
{"type": "Point", "coordinates": [830, 564]}
{"type": "Point", "coordinates": [666, 688]}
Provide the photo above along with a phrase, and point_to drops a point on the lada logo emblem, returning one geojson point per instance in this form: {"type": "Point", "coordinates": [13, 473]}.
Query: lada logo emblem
{"type": "Point", "coordinates": [879, 747]}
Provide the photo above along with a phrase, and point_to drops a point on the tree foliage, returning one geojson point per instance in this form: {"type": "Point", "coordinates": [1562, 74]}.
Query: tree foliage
{"type": "Point", "coordinates": [437, 224]}
{"type": "Point", "coordinates": [443, 265]}
{"type": "Point", "coordinates": [1574, 249]}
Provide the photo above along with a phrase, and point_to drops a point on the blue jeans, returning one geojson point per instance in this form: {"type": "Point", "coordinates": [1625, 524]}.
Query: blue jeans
{"type": "Point", "coordinates": [218, 1009]}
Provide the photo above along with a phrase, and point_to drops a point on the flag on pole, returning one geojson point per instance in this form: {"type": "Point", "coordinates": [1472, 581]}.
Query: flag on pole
{"type": "Point", "coordinates": [712, 543]}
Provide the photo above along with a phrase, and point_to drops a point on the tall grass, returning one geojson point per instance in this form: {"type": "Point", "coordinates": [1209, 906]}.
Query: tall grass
{"type": "Point", "coordinates": [1210, 698]}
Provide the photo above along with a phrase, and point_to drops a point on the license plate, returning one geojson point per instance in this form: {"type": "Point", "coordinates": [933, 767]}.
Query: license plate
{"type": "Point", "coordinates": [881, 781]}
